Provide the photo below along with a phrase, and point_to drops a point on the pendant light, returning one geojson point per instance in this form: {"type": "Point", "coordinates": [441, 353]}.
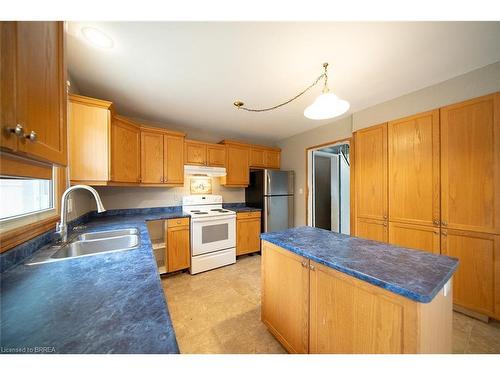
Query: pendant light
{"type": "Point", "coordinates": [326, 106]}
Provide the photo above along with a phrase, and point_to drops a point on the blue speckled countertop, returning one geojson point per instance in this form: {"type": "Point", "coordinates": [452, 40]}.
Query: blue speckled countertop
{"type": "Point", "coordinates": [107, 303]}
{"type": "Point", "coordinates": [414, 274]}
{"type": "Point", "coordinates": [240, 207]}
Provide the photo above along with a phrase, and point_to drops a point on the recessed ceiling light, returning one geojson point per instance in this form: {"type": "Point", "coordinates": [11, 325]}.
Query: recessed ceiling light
{"type": "Point", "coordinates": [97, 38]}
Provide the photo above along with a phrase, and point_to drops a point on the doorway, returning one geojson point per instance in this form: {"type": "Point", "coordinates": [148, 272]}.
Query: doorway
{"type": "Point", "coordinates": [329, 187]}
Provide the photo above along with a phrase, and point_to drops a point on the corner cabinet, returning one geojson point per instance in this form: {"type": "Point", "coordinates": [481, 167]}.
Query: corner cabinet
{"type": "Point", "coordinates": [311, 308]}
{"type": "Point", "coordinates": [33, 90]}
{"type": "Point", "coordinates": [125, 151]}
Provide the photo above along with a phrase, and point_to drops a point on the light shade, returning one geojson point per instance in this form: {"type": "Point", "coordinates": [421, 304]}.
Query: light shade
{"type": "Point", "coordinates": [325, 106]}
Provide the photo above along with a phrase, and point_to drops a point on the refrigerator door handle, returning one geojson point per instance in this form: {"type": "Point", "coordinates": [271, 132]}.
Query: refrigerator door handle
{"type": "Point", "coordinates": [268, 183]}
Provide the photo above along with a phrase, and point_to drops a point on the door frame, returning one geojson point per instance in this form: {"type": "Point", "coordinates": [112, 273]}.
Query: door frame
{"type": "Point", "coordinates": [308, 161]}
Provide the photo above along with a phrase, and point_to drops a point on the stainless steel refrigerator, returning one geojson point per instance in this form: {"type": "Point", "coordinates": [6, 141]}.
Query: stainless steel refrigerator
{"type": "Point", "coordinates": [272, 191]}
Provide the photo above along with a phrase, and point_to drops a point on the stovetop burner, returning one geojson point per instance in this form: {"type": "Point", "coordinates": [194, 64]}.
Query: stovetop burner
{"type": "Point", "coordinates": [200, 212]}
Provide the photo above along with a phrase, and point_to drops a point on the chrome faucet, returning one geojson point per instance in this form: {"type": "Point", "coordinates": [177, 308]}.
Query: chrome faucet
{"type": "Point", "coordinates": [62, 226]}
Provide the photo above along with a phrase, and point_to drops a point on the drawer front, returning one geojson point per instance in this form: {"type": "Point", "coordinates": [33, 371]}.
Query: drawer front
{"type": "Point", "coordinates": [180, 222]}
{"type": "Point", "coordinates": [248, 215]}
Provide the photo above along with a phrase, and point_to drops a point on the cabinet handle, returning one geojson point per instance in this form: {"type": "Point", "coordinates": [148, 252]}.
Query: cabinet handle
{"type": "Point", "coordinates": [444, 233]}
{"type": "Point", "coordinates": [444, 223]}
{"type": "Point", "coordinates": [31, 136]}
{"type": "Point", "coordinates": [18, 130]}
{"type": "Point", "coordinates": [311, 267]}
{"type": "Point", "coordinates": [436, 222]}
{"type": "Point", "coordinates": [161, 179]}
{"type": "Point", "coordinates": [304, 263]}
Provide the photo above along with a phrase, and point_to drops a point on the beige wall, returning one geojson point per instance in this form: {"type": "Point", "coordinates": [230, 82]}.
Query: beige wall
{"type": "Point", "coordinates": [476, 83]}
{"type": "Point", "coordinates": [140, 197]}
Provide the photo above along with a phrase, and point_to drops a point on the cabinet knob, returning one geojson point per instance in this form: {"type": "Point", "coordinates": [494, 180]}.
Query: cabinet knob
{"type": "Point", "coordinates": [304, 263]}
{"type": "Point", "coordinates": [18, 130]}
{"type": "Point", "coordinates": [311, 267]}
{"type": "Point", "coordinates": [385, 224]}
{"type": "Point", "coordinates": [385, 217]}
{"type": "Point", "coordinates": [161, 179]}
{"type": "Point", "coordinates": [444, 223]}
{"type": "Point", "coordinates": [444, 233]}
{"type": "Point", "coordinates": [31, 136]}
{"type": "Point", "coordinates": [436, 222]}
{"type": "Point", "coordinates": [178, 221]}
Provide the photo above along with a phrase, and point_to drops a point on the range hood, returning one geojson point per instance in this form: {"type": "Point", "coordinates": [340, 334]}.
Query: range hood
{"type": "Point", "coordinates": [197, 170]}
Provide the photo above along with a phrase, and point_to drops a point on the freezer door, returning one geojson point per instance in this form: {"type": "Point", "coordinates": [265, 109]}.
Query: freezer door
{"type": "Point", "coordinates": [278, 182]}
{"type": "Point", "coordinates": [278, 213]}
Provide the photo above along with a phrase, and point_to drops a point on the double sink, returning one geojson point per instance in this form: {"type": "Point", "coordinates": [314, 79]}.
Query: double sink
{"type": "Point", "coordinates": [93, 243]}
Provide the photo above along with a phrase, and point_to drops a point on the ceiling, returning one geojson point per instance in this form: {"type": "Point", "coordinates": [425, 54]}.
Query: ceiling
{"type": "Point", "coordinates": [186, 75]}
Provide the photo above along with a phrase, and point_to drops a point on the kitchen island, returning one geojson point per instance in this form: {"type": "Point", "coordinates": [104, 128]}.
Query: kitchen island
{"type": "Point", "coordinates": [324, 292]}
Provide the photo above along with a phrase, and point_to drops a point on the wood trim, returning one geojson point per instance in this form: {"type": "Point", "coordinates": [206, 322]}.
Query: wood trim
{"type": "Point", "coordinates": [18, 167]}
{"type": "Point", "coordinates": [326, 144]}
{"type": "Point", "coordinates": [244, 144]}
{"type": "Point", "coordinates": [89, 101]}
{"type": "Point", "coordinates": [161, 130]}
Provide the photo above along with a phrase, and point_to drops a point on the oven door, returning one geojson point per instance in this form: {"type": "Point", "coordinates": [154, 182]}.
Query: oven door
{"type": "Point", "coordinates": [208, 235]}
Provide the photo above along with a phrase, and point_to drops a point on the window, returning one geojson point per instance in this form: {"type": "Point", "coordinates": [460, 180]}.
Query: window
{"type": "Point", "coordinates": [23, 196]}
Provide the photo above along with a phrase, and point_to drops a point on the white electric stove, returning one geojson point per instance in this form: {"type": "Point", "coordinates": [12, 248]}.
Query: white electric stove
{"type": "Point", "coordinates": [213, 232]}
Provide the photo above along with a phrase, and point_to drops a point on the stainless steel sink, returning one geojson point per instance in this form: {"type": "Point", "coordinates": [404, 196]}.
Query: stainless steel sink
{"type": "Point", "coordinates": [92, 243]}
{"type": "Point", "coordinates": [96, 246]}
{"type": "Point", "coordinates": [106, 234]}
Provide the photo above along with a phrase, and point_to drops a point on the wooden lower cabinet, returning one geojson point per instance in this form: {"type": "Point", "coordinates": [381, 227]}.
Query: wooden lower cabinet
{"type": "Point", "coordinates": [247, 232]}
{"type": "Point", "coordinates": [371, 229]}
{"type": "Point", "coordinates": [177, 247]}
{"type": "Point", "coordinates": [479, 256]}
{"type": "Point", "coordinates": [285, 297]}
{"type": "Point", "coordinates": [417, 237]}
{"type": "Point", "coordinates": [311, 308]}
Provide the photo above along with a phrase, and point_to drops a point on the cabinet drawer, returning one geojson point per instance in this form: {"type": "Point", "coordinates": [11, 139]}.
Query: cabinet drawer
{"type": "Point", "coordinates": [248, 215]}
{"type": "Point", "coordinates": [180, 222]}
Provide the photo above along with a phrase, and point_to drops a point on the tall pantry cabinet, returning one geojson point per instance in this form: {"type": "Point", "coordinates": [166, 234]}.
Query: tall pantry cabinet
{"type": "Point", "coordinates": [439, 181]}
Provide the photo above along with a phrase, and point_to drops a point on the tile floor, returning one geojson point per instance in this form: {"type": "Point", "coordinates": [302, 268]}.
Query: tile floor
{"type": "Point", "coordinates": [219, 312]}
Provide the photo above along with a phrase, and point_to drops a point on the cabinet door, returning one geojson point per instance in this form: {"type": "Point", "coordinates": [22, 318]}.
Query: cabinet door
{"type": "Point", "coordinates": [151, 157]}
{"type": "Point", "coordinates": [237, 166]}
{"type": "Point", "coordinates": [347, 317]}
{"type": "Point", "coordinates": [415, 237]}
{"type": "Point", "coordinates": [474, 280]}
{"type": "Point", "coordinates": [174, 160]}
{"type": "Point", "coordinates": [125, 152]}
{"type": "Point", "coordinates": [247, 235]}
{"type": "Point", "coordinates": [178, 253]}
{"type": "Point", "coordinates": [272, 159]}
{"type": "Point", "coordinates": [195, 153]}
{"type": "Point", "coordinates": [89, 128]}
{"type": "Point", "coordinates": [41, 89]}
{"type": "Point", "coordinates": [371, 172]}
{"type": "Point", "coordinates": [285, 297]}
{"type": "Point", "coordinates": [414, 169]}
{"type": "Point", "coordinates": [470, 165]}
{"type": "Point", "coordinates": [257, 157]}
{"type": "Point", "coordinates": [216, 156]}
{"type": "Point", "coordinates": [8, 85]}
{"type": "Point", "coordinates": [369, 229]}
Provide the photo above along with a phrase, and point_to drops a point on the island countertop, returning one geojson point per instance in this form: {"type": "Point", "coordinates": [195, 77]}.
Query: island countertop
{"type": "Point", "coordinates": [414, 274]}
{"type": "Point", "coordinates": [106, 303]}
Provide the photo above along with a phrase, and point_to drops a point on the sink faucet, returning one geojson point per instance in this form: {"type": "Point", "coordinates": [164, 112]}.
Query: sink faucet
{"type": "Point", "coordinates": [62, 226]}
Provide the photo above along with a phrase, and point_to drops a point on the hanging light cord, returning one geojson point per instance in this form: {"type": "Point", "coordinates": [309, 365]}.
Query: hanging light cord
{"type": "Point", "coordinates": [240, 105]}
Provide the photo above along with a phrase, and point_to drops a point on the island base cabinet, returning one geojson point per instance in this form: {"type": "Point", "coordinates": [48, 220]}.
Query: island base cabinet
{"type": "Point", "coordinates": [311, 308]}
{"type": "Point", "coordinates": [285, 297]}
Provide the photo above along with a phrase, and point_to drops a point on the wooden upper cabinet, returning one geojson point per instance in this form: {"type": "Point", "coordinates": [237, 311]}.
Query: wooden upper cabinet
{"type": "Point", "coordinates": [173, 162]}
{"type": "Point", "coordinates": [272, 159]}
{"type": "Point", "coordinates": [195, 152]}
{"type": "Point", "coordinates": [257, 157]}
{"type": "Point", "coordinates": [151, 157]}
{"type": "Point", "coordinates": [8, 121]}
{"type": "Point", "coordinates": [470, 165]}
{"type": "Point", "coordinates": [216, 155]}
{"type": "Point", "coordinates": [125, 151]}
{"type": "Point", "coordinates": [473, 283]}
{"type": "Point", "coordinates": [35, 72]}
{"type": "Point", "coordinates": [413, 148]}
{"type": "Point", "coordinates": [89, 135]}
{"type": "Point", "coordinates": [237, 166]}
{"type": "Point", "coordinates": [418, 237]}
{"type": "Point", "coordinates": [371, 172]}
